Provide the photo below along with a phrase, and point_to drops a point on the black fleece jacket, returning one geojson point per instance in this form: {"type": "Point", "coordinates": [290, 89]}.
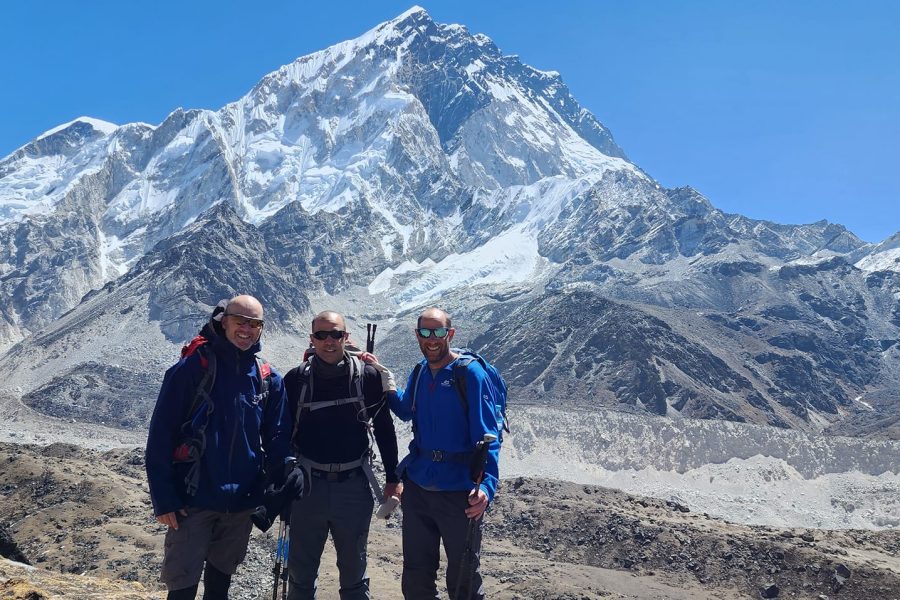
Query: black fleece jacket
{"type": "Point", "coordinates": [337, 434]}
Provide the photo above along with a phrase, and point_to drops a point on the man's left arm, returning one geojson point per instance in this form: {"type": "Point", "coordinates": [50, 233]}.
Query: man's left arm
{"type": "Point", "coordinates": [483, 420]}
{"type": "Point", "coordinates": [276, 431]}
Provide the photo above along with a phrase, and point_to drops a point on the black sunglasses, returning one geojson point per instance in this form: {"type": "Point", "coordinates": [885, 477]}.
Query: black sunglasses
{"type": "Point", "coordinates": [245, 321]}
{"type": "Point", "coordinates": [334, 334]}
{"type": "Point", "coordinates": [438, 332]}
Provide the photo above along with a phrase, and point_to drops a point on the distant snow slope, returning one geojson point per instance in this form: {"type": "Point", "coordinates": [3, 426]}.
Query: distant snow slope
{"type": "Point", "coordinates": [741, 473]}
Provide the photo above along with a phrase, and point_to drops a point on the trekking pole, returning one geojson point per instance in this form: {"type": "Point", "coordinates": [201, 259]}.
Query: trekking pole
{"type": "Point", "coordinates": [276, 569]}
{"type": "Point", "coordinates": [285, 550]}
{"type": "Point", "coordinates": [476, 471]}
{"type": "Point", "coordinates": [370, 337]}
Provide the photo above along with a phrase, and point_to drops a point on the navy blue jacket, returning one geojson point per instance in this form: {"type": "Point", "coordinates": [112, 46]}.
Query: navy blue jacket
{"type": "Point", "coordinates": [243, 437]}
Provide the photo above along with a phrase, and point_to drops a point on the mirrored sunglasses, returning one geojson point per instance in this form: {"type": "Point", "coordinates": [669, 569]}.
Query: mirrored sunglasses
{"type": "Point", "coordinates": [439, 332]}
{"type": "Point", "coordinates": [334, 334]}
{"type": "Point", "coordinates": [245, 321]}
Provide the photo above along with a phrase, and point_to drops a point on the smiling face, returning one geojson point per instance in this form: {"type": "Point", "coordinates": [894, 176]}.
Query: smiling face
{"type": "Point", "coordinates": [242, 321]}
{"type": "Point", "coordinates": [328, 325]}
{"type": "Point", "coordinates": [436, 350]}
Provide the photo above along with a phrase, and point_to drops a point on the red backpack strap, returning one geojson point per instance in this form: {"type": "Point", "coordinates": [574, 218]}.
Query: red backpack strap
{"type": "Point", "coordinates": [192, 347]}
{"type": "Point", "coordinates": [264, 372]}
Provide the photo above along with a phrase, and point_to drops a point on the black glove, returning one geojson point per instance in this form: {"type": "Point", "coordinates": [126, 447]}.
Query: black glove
{"type": "Point", "coordinates": [262, 518]}
{"type": "Point", "coordinates": [295, 483]}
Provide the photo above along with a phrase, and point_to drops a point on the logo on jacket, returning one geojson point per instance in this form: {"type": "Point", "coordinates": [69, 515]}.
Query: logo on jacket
{"type": "Point", "coordinates": [445, 383]}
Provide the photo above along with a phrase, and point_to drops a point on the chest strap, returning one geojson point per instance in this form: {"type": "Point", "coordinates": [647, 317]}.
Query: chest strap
{"type": "Point", "coordinates": [319, 404]}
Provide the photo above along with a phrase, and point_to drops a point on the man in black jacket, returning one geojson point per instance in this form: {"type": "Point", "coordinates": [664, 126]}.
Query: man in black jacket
{"type": "Point", "coordinates": [337, 401]}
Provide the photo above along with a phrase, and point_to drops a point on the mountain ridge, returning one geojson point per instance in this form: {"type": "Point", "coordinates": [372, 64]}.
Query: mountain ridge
{"type": "Point", "coordinates": [418, 164]}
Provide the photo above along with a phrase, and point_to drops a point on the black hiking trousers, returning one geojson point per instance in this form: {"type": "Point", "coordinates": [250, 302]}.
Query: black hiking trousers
{"type": "Point", "coordinates": [430, 517]}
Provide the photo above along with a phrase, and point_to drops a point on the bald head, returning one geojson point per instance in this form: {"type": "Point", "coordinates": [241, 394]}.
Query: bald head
{"type": "Point", "coordinates": [330, 318]}
{"type": "Point", "coordinates": [329, 336]}
{"type": "Point", "coordinates": [245, 305]}
{"type": "Point", "coordinates": [434, 314]}
{"type": "Point", "coordinates": [243, 321]}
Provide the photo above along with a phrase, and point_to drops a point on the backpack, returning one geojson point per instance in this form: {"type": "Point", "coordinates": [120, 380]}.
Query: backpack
{"type": "Point", "coordinates": [193, 442]}
{"type": "Point", "coordinates": [208, 364]}
{"type": "Point", "coordinates": [305, 383]}
{"type": "Point", "coordinates": [460, 369]}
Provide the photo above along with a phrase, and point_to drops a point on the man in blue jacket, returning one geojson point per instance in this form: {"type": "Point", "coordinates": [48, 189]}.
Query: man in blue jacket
{"type": "Point", "coordinates": [220, 424]}
{"type": "Point", "coordinates": [439, 495]}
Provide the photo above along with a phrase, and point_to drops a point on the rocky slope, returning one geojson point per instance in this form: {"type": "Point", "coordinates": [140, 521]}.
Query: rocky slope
{"type": "Point", "coordinates": [69, 510]}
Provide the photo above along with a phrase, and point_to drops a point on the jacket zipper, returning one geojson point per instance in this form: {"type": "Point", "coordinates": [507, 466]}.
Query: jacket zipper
{"type": "Point", "coordinates": [234, 431]}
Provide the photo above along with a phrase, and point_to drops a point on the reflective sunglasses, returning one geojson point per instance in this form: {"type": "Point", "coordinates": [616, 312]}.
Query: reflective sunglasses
{"type": "Point", "coordinates": [335, 334]}
{"type": "Point", "coordinates": [439, 332]}
{"type": "Point", "coordinates": [245, 321]}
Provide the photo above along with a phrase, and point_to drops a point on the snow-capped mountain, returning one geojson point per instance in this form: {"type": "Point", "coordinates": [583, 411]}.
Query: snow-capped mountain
{"type": "Point", "coordinates": [418, 164]}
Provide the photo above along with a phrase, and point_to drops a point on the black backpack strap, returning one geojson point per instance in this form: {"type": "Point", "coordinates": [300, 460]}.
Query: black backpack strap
{"type": "Point", "coordinates": [194, 445]}
{"type": "Point", "coordinates": [304, 386]}
{"type": "Point", "coordinates": [417, 372]}
{"type": "Point", "coordinates": [357, 370]}
{"type": "Point", "coordinates": [306, 383]}
{"type": "Point", "coordinates": [459, 378]}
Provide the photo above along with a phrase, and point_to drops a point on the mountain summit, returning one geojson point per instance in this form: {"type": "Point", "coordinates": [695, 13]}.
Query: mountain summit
{"type": "Point", "coordinates": [416, 164]}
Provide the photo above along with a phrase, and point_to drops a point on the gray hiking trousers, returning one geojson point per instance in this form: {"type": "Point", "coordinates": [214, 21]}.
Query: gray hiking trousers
{"type": "Point", "coordinates": [204, 536]}
{"type": "Point", "coordinates": [344, 509]}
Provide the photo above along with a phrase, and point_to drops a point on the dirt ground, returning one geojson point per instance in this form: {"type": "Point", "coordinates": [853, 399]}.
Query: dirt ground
{"type": "Point", "coordinates": [83, 518]}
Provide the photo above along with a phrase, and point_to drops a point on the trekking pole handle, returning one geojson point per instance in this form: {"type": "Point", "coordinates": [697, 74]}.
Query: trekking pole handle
{"type": "Point", "coordinates": [479, 459]}
{"type": "Point", "coordinates": [370, 337]}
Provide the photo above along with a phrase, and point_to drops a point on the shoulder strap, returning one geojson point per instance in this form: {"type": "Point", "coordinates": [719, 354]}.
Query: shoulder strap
{"type": "Point", "coordinates": [264, 371]}
{"type": "Point", "coordinates": [417, 372]}
{"type": "Point", "coordinates": [357, 371]}
{"type": "Point", "coordinates": [304, 382]}
{"type": "Point", "coordinates": [460, 369]}
{"type": "Point", "coordinates": [204, 388]}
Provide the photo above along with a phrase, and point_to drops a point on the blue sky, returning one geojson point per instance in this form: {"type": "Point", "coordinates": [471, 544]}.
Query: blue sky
{"type": "Point", "coordinates": [787, 111]}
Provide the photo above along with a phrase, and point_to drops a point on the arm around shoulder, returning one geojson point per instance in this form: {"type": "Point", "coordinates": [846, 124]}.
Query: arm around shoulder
{"type": "Point", "coordinates": [401, 401]}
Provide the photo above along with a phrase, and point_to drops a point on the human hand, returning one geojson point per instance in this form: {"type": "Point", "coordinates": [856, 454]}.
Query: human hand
{"type": "Point", "coordinates": [387, 378]}
{"type": "Point", "coordinates": [170, 519]}
{"type": "Point", "coordinates": [392, 489]}
{"type": "Point", "coordinates": [295, 483]}
{"type": "Point", "coordinates": [478, 503]}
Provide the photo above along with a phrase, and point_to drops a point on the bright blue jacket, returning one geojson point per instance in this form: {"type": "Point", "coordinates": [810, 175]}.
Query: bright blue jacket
{"type": "Point", "coordinates": [242, 436]}
{"type": "Point", "coordinates": [442, 425]}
